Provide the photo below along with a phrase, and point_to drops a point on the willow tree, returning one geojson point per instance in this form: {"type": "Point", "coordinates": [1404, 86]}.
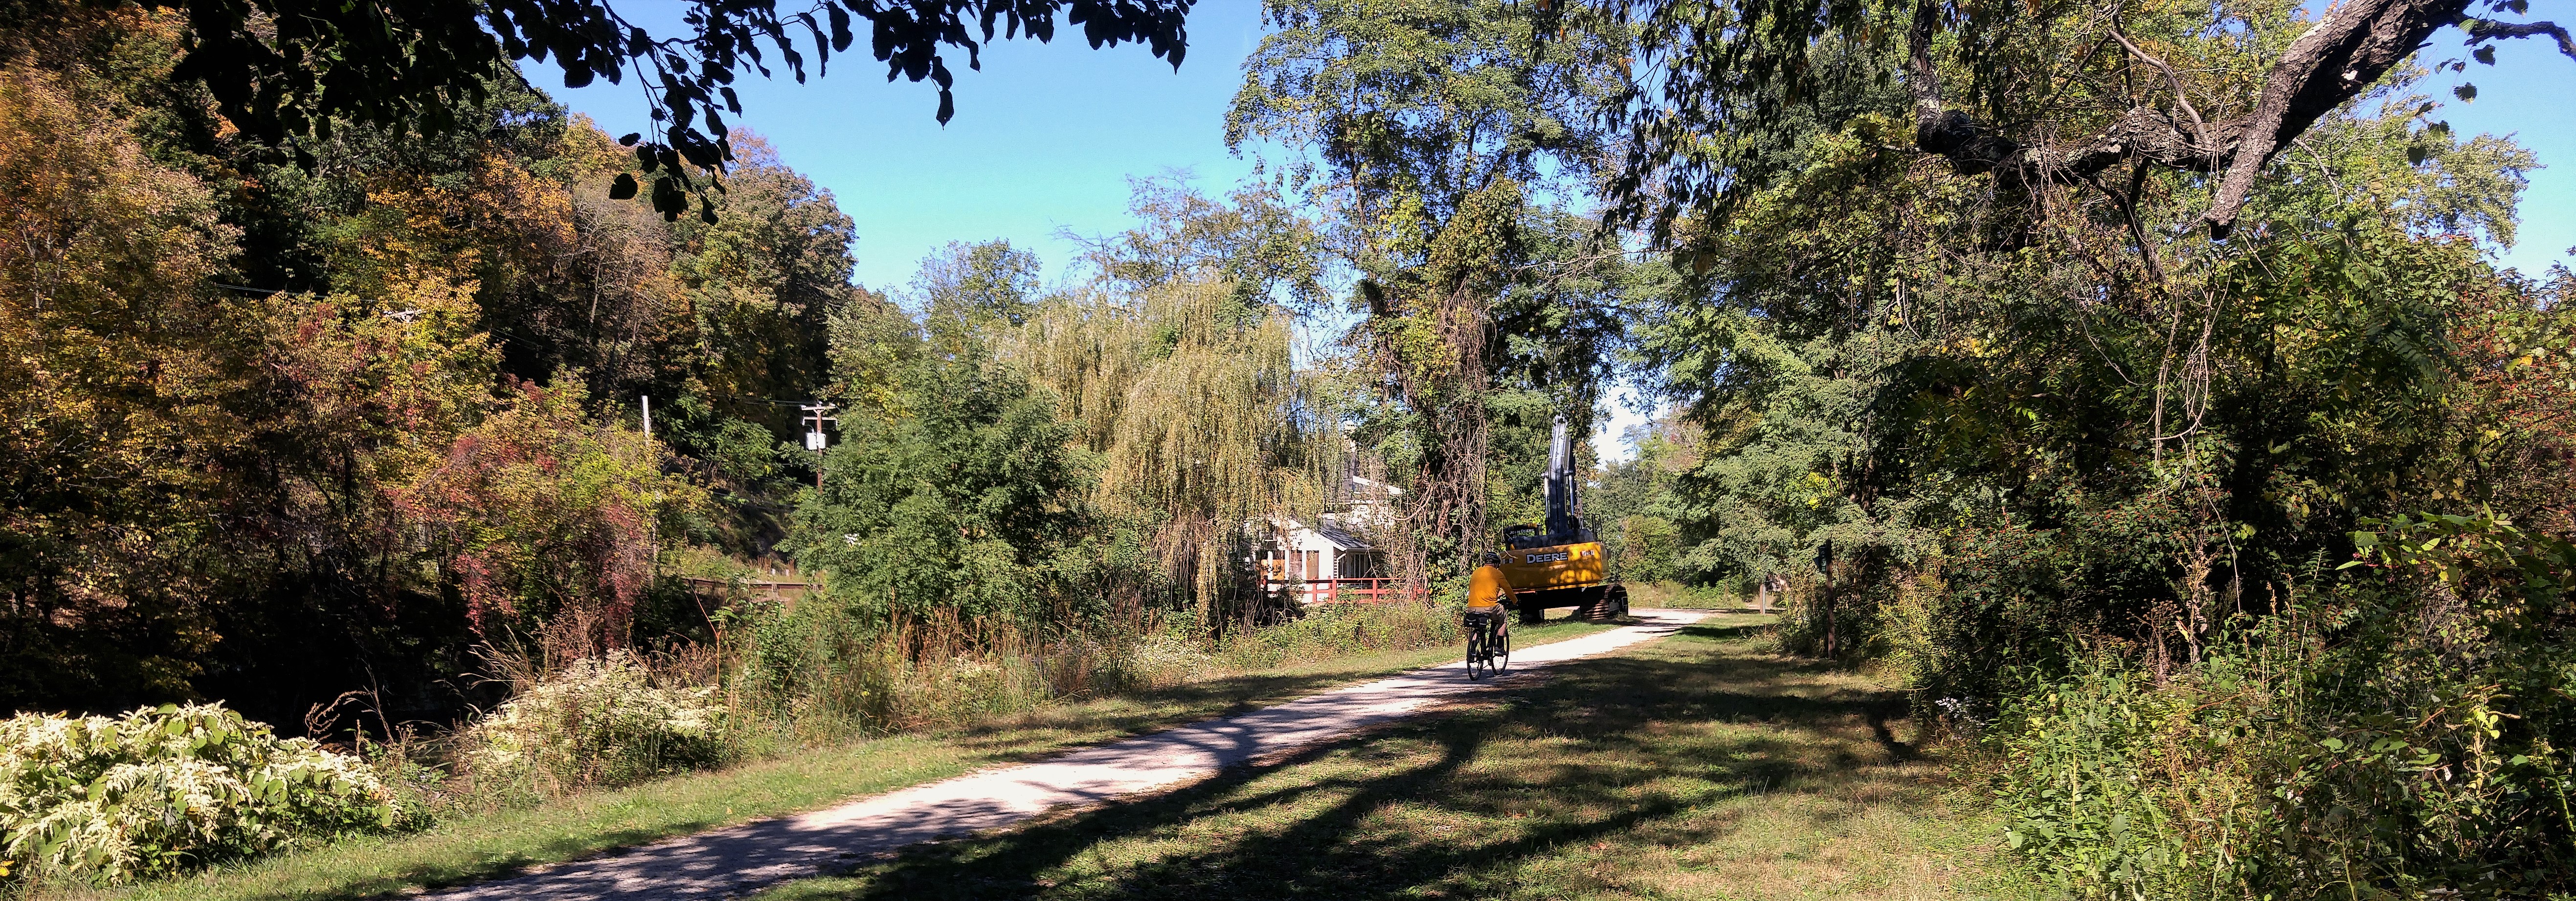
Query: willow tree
{"type": "Point", "coordinates": [1189, 398]}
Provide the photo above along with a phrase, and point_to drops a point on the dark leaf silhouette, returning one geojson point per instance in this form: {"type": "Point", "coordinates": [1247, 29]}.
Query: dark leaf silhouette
{"type": "Point", "coordinates": [284, 69]}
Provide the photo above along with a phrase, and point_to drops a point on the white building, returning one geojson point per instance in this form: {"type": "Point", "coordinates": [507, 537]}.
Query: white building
{"type": "Point", "coordinates": [1331, 560]}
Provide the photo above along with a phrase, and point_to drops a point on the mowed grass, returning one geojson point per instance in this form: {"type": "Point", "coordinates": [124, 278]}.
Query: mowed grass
{"type": "Point", "coordinates": [477, 848]}
{"type": "Point", "coordinates": [1692, 767]}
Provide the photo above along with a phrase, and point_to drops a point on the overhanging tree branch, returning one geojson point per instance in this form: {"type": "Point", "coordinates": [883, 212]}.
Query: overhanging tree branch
{"type": "Point", "coordinates": [2484, 30]}
{"type": "Point", "coordinates": [286, 69]}
{"type": "Point", "coordinates": [2143, 132]}
{"type": "Point", "coordinates": [1717, 77]}
{"type": "Point", "coordinates": [2334, 61]}
{"type": "Point", "coordinates": [2338, 58]}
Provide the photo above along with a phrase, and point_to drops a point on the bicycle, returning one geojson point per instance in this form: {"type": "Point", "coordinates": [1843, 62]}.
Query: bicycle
{"type": "Point", "coordinates": [1489, 645]}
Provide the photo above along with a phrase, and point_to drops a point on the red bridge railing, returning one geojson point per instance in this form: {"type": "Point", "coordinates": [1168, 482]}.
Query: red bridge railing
{"type": "Point", "coordinates": [1348, 591]}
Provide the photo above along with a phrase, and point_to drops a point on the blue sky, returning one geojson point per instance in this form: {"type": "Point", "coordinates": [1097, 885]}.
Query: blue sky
{"type": "Point", "coordinates": [1047, 136]}
{"type": "Point", "coordinates": [2520, 96]}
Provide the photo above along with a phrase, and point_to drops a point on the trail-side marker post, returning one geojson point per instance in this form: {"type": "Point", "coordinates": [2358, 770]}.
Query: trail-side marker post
{"type": "Point", "coordinates": [814, 440]}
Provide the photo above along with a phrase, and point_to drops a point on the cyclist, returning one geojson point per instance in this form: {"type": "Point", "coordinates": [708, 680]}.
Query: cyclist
{"type": "Point", "coordinates": [1489, 598]}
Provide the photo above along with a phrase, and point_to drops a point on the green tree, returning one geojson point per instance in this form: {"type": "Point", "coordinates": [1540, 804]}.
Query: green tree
{"type": "Point", "coordinates": [1252, 240]}
{"type": "Point", "coordinates": [1632, 501]}
{"type": "Point", "coordinates": [2036, 438]}
{"type": "Point", "coordinates": [1428, 126]}
{"type": "Point", "coordinates": [2224, 89]}
{"type": "Point", "coordinates": [970, 501]}
{"type": "Point", "coordinates": [965, 290]}
{"type": "Point", "coordinates": [114, 394]}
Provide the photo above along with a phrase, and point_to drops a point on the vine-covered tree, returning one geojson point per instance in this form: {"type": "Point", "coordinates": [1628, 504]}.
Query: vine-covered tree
{"type": "Point", "coordinates": [1429, 128]}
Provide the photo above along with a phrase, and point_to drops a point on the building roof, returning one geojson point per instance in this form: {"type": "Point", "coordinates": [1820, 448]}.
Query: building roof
{"type": "Point", "coordinates": [1332, 532]}
{"type": "Point", "coordinates": [1362, 489]}
{"type": "Point", "coordinates": [1341, 539]}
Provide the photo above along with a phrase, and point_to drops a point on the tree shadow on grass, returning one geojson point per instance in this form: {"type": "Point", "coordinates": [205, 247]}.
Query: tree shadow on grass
{"type": "Point", "coordinates": [437, 875]}
{"type": "Point", "coordinates": [1604, 749]}
{"type": "Point", "coordinates": [1046, 732]}
{"type": "Point", "coordinates": [1724, 632]}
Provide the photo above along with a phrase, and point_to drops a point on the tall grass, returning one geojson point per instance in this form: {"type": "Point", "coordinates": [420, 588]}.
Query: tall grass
{"type": "Point", "coordinates": [2114, 786]}
{"type": "Point", "coordinates": [599, 722]}
{"type": "Point", "coordinates": [819, 673]}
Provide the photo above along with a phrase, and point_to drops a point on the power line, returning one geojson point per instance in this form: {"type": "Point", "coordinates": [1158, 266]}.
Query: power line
{"type": "Point", "coordinates": [800, 404]}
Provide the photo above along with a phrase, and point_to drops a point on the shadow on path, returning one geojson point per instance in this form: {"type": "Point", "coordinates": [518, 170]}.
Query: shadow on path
{"type": "Point", "coordinates": [1632, 748]}
{"type": "Point", "coordinates": [731, 861]}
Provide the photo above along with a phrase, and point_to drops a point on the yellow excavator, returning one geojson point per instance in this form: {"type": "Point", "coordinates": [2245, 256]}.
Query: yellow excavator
{"type": "Point", "coordinates": [1559, 563]}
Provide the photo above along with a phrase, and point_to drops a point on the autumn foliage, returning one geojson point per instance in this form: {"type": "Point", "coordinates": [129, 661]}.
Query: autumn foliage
{"type": "Point", "coordinates": [549, 522]}
{"type": "Point", "coordinates": [269, 432]}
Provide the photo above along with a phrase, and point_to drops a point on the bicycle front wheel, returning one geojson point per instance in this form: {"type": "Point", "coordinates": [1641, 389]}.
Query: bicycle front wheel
{"type": "Point", "coordinates": [1501, 653]}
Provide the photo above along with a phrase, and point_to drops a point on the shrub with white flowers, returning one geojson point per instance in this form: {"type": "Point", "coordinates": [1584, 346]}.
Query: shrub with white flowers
{"type": "Point", "coordinates": [165, 789]}
{"type": "Point", "coordinates": [599, 722]}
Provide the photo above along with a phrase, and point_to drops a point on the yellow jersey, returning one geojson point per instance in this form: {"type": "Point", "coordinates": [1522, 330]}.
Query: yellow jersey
{"type": "Point", "coordinates": [1487, 588]}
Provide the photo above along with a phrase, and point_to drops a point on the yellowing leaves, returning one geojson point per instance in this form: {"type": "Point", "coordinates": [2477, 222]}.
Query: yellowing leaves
{"type": "Point", "coordinates": [111, 371]}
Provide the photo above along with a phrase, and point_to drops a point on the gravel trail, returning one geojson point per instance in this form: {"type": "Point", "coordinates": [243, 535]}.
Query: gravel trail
{"type": "Point", "coordinates": [738, 860]}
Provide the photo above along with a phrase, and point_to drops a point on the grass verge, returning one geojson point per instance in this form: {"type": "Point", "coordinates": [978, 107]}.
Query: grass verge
{"type": "Point", "coordinates": [1691, 767]}
{"type": "Point", "coordinates": [1677, 596]}
{"type": "Point", "coordinates": [484, 847]}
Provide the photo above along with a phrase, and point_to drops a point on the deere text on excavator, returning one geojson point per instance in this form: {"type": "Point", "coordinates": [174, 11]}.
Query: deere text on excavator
{"type": "Point", "coordinates": [1559, 563]}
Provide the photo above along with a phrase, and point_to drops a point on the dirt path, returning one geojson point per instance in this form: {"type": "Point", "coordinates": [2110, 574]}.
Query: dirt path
{"type": "Point", "coordinates": [734, 861]}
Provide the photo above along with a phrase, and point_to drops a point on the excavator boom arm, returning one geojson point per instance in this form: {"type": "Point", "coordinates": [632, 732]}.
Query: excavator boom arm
{"type": "Point", "coordinates": [1559, 486]}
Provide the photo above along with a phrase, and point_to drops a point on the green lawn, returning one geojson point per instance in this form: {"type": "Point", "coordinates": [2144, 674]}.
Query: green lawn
{"type": "Point", "coordinates": [1687, 768]}
{"type": "Point", "coordinates": [473, 849]}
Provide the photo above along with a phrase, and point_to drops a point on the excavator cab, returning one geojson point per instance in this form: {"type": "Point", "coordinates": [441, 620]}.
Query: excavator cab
{"type": "Point", "coordinates": [1526, 536]}
{"type": "Point", "coordinates": [1559, 563]}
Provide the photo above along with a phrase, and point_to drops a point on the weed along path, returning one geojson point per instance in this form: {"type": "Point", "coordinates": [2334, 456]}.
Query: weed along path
{"type": "Point", "coordinates": [734, 861]}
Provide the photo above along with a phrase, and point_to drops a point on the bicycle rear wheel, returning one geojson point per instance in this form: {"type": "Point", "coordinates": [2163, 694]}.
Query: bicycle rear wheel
{"type": "Point", "coordinates": [1475, 653]}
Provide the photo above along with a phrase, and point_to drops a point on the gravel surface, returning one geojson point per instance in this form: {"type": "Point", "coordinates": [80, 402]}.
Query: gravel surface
{"type": "Point", "coordinates": [741, 859]}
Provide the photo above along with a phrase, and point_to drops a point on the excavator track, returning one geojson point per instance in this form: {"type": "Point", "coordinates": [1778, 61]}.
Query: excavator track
{"type": "Point", "coordinates": [1596, 603]}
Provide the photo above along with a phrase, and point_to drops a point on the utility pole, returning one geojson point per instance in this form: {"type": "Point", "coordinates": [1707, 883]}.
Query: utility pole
{"type": "Point", "coordinates": [814, 440]}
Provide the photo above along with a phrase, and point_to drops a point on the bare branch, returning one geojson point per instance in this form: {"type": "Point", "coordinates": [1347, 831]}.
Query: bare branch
{"type": "Point", "coordinates": [2341, 56]}
{"type": "Point", "coordinates": [2171, 80]}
